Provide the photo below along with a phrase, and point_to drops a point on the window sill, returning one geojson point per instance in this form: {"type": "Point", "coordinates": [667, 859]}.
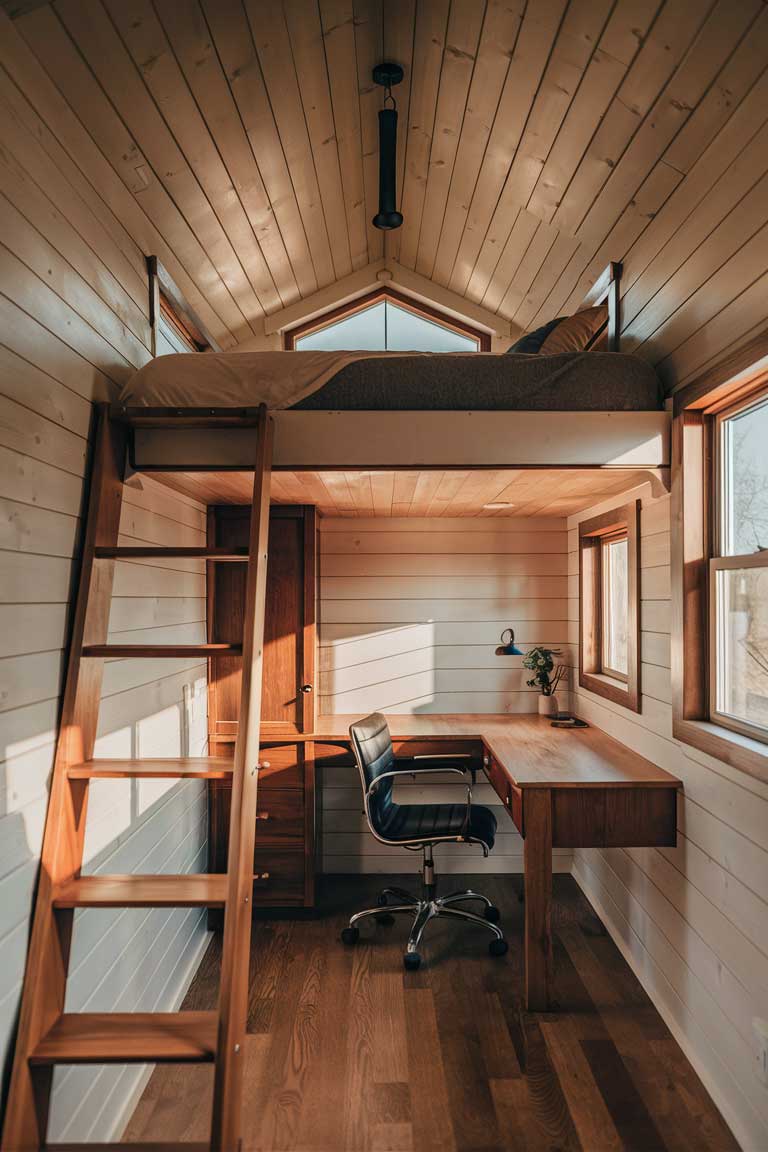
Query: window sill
{"type": "Point", "coordinates": [741, 752]}
{"type": "Point", "coordinates": [610, 689]}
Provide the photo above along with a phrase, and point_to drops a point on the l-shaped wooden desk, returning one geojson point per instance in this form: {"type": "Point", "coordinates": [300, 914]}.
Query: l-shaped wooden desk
{"type": "Point", "coordinates": [562, 788]}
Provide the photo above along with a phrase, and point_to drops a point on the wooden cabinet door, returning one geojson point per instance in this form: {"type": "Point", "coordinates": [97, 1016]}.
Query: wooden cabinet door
{"type": "Point", "coordinates": [288, 692]}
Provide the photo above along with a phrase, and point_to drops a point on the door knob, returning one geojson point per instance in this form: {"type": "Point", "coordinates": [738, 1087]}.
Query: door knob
{"type": "Point", "coordinates": [306, 688]}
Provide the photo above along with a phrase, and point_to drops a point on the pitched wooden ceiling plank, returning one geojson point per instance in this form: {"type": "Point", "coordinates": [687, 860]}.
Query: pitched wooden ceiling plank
{"type": "Point", "coordinates": [532, 49]}
{"type": "Point", "coordinates": [707, 54]}
{"type": "Point", "coordinates": [339, 39]}
{"type": "Point", "coordinates": [663, 49]}
{"type": "Point", "coordinates": [528, 269]}
{"type": "Point", "coordinates": [724, 172]}
{"type": "Point", "coordinates": [496, 49]}
{"type": "Point", "coordinates": [741, 318]}
{"type": "Point", "coordinates": [128, 126]}
{"type": "Point", "coordinates": [187, 28]}
{"type": "Point", "coordinates": [155, 59]}
{"type": "Point", "coordinates": [49, 203]}
{"type": "Point", "coordinates": [303, 109]}
{"type": "Point", "coordinates": [285, 161]}
{"type": "Point", "coordinates": [703, 259]}
{"type": "Point", "coordinates": [518, 242]}
{"type": "Point", "coordinates": [571, 54]}
{"type": "Point", "coordinates": [620, 42]}
{"type": "Point", "coordinates": [76, 153]}
{"type": "Point", "coordinates": [428, 48]}
{"type": "Point", "coordinates": [459, 58]}
{"type": "Point", "coordinates": [71, 193]}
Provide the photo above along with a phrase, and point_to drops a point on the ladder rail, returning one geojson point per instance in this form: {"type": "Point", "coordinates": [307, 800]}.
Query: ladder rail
{"type": "Point", "coordinates": [45, 975]}
{"type": "Point", "coordinates": [46, 1035]}
{"type": "Point", "coordinates": [233, 990]}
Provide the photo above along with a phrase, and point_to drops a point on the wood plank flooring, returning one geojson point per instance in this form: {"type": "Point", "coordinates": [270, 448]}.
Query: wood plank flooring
{"type": "Point", "coordinates": [346, 1051]}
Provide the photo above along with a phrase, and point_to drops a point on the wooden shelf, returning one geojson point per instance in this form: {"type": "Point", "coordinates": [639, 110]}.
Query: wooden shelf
{"type": "Point", "coordinates": [160, 651]}
{"type": "Point", "coordinates": [129, 1038]}
{"type": "Point", "coordinates": [141, 891]}
{"type": "Point", "coordinates": [219, 555]}
{"type": "Point", "coordinates": [181, 768]}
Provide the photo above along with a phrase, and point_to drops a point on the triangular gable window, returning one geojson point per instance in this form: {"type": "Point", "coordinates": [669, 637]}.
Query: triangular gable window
{"type": "Point", "coordinates": [386, 322]}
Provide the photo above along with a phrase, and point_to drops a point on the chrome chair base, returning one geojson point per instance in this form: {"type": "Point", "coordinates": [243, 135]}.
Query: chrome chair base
{"type": "Point", "coordinates": [425, 908]}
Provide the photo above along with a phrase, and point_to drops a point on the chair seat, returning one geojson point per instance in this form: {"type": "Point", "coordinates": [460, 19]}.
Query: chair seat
{"type": "Point", "coordinates": [425, 822]}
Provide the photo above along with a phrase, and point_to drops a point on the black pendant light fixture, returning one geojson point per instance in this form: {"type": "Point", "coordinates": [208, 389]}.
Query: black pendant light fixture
{"type": "Point", "coordinates": [388, 217]}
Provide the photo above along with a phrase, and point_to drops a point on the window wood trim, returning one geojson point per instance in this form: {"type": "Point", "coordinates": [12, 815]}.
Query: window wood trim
{"type": "Point", "coordinates": [462, 327]}
{"type": "Point", "coordinates": [166, 297]}
{"type": "Point", "coordinates": [592, 534]}
{"type": "Point", "coordinates": [693, 535]}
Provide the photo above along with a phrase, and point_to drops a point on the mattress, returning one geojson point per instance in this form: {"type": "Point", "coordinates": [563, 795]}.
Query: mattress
{"type": "Point", "coordinates": [388, 381]}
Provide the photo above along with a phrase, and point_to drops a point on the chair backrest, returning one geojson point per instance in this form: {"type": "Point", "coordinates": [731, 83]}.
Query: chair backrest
{"type": "Point", "coordinates": [372, 746]}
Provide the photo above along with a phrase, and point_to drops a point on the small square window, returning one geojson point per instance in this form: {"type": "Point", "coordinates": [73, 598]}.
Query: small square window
{"type": "Point", "coordinates": [609, 608]}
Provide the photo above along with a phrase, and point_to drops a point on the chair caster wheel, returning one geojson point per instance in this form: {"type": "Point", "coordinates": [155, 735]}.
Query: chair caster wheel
{"type": "Point", "coordinates": [498, 947]}
{"type": "Point", "coordinates": [411, 961]}
{"type": "Point", "coordinates": [384, 918]}
{"type": "Point", "coordinates": [350, 935]}
{"type": "Point", "coordinates": [492, 914]}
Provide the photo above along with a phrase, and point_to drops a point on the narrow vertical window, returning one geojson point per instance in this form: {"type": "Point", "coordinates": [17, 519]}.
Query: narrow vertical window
{"type": "Point", "coordinates": [738, 576]}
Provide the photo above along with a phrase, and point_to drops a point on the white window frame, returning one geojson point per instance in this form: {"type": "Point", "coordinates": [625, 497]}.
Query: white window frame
{"type": "Point", "coordinates": [720, 563]}
{"type": "Point", "coordinates": [606, 542]}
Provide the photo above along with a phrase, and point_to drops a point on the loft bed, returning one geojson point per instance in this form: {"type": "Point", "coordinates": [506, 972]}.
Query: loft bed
{"type": "Point", "coordinates": [594, 407]}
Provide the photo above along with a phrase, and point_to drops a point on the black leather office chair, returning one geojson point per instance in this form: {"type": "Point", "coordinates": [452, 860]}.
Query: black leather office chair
{"type": "Point", "coordinates": [418, 826]}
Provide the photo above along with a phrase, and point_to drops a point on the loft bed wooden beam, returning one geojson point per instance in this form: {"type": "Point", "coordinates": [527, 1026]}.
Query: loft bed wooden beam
{"type": "Point", "coordinates": [328, 441]}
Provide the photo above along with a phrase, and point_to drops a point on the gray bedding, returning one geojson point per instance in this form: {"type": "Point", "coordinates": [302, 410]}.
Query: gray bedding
{"type": "Point", "coordinates": [572, 381]}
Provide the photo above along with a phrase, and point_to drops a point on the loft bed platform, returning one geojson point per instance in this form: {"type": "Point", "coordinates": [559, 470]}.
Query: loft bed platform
{"type": "Point", "coordinates": [591, 409]}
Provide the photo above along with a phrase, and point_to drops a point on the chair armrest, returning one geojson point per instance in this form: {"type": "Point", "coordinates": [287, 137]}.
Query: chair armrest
{"type": "Point", "coordinates": [413, 770]}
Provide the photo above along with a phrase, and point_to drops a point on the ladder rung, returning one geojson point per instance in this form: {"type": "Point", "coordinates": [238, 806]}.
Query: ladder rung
{"type": "Point", "coordinates": [160, 651]}
{"type": "Point", "coordinates": [231, 555]}
{"type": "Point", "coordinates": [182, 768]}
{"type": "Point", "coordinates": [129, 1038]}
{"type": "Point", "coordinates": [194, 890]}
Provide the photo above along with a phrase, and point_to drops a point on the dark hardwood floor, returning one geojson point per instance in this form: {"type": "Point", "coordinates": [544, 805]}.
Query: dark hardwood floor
{"type": "Point", "coordinates": [349, 1052]}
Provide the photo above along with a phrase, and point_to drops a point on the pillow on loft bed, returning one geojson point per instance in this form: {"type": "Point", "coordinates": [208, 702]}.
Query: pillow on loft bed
{"type": "Point", "coordinates": [566, 334]}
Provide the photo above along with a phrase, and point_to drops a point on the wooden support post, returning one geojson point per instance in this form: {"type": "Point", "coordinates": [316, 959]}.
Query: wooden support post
{"type": "Point", "coordinates": [538, 898]}
{"type": "Point", "coordinates": [233, 995]}
{"type": "Point", "coordinates": [45, 977]}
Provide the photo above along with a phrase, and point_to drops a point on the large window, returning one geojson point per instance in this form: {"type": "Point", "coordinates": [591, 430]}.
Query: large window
{"type": "Point", "coordinates": [738, 570]}
{"type": "Point", "coordinates": [609, 605]}
{"type": "Point", "coordinates": [385, 321]}
{"type": "Point", "coordinates": [720, 560]}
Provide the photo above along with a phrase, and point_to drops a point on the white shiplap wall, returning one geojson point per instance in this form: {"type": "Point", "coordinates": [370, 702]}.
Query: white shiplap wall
{"type": "Point", "coordinates": [692, 920]}
{"type": "Point", "coordinates": [411, 611]}
{"type": "Point", "coordinates": [73, 327]}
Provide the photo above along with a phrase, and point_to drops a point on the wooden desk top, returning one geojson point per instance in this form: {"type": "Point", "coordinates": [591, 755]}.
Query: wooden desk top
{"type": "Point", "coordinates": [533, 753]}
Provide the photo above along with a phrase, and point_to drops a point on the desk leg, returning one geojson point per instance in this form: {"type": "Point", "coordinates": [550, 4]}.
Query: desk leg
{"type": "Point", "coordinates": [538, 899]}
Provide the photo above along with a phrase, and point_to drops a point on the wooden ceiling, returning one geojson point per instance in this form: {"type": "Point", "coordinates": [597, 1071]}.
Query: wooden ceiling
{"type": "Point", "coordinates": [545, 492]}
{"type": "Point", "coordinates": [538, 141]}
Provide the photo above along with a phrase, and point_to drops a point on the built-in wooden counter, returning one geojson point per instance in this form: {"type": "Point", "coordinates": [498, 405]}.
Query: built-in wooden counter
{"type": "Point", "coordinates": [564, 788]}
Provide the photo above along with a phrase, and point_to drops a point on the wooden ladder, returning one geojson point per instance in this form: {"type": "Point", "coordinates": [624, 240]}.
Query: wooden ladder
{"type": "Point", "coordinates": [47, 1034]}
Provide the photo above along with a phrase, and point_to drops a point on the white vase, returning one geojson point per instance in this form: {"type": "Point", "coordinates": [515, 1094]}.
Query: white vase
{"type": "Point", "coordinates": [547, 705]}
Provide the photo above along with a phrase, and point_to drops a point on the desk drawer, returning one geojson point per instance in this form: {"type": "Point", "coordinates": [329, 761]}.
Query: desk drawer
{"type": "Point", "coordinates": [280, 816]}
{"type": "Point", "coordinates": [510, 796]}
{"type": "Point", "coordinates": [278, 877]}
{"type": "Point", "coordinates": [286, 766]}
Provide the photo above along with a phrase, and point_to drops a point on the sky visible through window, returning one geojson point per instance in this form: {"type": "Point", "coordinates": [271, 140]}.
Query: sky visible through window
{"type": "Point", "coordinates": [385, 327]}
